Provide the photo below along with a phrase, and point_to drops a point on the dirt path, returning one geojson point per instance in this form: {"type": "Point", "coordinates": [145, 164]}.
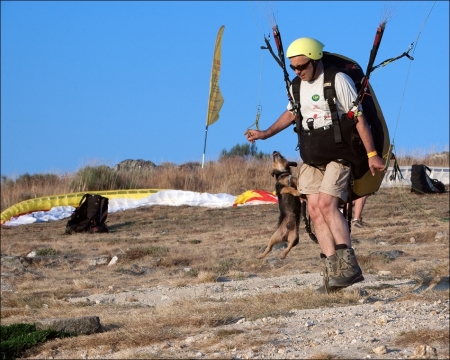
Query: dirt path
{"type": "Point", "coordinates": [226, 289]}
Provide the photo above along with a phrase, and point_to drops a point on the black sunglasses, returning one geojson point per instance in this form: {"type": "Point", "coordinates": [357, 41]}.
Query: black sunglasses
{"type": "Point", "coordinates": [300, 67]}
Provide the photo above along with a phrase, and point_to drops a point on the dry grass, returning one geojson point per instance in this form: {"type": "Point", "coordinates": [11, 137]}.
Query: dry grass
{"type": "Point", "coordinates": [232, 176]}
{"type": "Point", "coordinates": [324, 356]}
{"type": "Point", "coordinates": [422, 336]}
{"type": "Point", "coordinates": [431, 157]}
{"type": "Point", "coordinates": [427, 296]}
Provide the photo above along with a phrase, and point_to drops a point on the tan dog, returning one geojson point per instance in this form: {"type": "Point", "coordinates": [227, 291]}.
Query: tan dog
{"type": "Point", "coordinates": [289, 204]}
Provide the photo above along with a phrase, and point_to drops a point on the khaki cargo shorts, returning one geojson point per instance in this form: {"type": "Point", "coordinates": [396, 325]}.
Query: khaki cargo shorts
{"type": "Point", "coordinates": [333, 179]}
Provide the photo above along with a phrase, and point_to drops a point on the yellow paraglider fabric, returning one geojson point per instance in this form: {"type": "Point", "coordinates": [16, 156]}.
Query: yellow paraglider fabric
{"type": "Point", "coordinates": [45, 203]}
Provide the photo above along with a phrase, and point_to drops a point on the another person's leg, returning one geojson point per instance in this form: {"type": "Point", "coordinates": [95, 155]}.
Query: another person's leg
{"type": "Point", "coordinates": [358, 206]}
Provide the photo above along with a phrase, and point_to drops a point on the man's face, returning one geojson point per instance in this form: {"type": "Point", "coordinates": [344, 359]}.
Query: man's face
{"type": "Point", "coordinates": [303, 67]}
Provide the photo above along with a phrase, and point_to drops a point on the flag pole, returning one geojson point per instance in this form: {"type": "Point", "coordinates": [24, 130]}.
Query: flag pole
{"type": "Point", "coordinates": [204, 147]}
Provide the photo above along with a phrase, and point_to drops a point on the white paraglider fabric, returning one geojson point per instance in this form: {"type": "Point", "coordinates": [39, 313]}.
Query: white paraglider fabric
{"type": "Point", "coordinates": [163, 197]}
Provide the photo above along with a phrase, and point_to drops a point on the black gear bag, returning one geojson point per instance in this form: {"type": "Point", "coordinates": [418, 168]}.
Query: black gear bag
{"type": "Point", "coordinates": [421, 183]}
{"type": "Point", "coordinates": [89, 216]}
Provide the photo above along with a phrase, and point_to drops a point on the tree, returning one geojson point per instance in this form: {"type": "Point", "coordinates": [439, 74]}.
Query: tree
{"type": "Point", "coordinates": [244, 150]}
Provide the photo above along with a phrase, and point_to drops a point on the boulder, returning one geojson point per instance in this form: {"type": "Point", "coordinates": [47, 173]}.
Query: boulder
{"type": "Point", "coordinates": [82, 325]}
{"type": "Point", "coordinates": [135, 165]}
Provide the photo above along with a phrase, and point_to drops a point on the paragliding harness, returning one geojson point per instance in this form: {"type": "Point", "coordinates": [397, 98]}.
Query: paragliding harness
{"type": "Point", "coordinates": [341, 139]}
{"type": "Point", "coordinates": [89, 216]}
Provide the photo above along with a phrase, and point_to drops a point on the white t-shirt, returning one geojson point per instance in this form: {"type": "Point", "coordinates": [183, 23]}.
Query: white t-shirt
{"type": "Point", "coordinates": [314, 105]}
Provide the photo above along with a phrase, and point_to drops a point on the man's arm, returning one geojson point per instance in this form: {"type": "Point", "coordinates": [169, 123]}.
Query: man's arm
{"type": "Point", "coordinates": [375, 162]}
{"type": "Point", "coordinates": [282, 123]}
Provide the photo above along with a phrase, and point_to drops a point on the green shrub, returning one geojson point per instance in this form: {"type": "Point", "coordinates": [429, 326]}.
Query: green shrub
{"type": "Point", "coordinates": [93, 178]}
{"type": "Point", "coordinates": [17, 338]}
{"type": "Point", "coordinates": [46, 252]}
{"type": "Point", "coordinates": [245, 151]}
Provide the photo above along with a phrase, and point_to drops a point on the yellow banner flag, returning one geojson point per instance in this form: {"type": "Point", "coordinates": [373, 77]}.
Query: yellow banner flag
{"type": "Point", "coordinates": [215, 96]}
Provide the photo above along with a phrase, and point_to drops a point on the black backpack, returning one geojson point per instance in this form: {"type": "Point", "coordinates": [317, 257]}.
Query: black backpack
{"type": "Point", "coordinates": [341, 140]}
{"type": "Point", "coordinates": [89, 216]}
{"type": "Point", "coordinates": [421, 183]}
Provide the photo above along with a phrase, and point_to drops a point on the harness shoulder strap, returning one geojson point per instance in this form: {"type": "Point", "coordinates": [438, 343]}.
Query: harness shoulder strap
{"type": "Point", "coordinates": [298, 120]}
{"type": "Point", "coordinates": [329, 93]}
{"type": "Point", "coordinates": [296, 82]}
{"type": "Point", "coordinates": [296, 88]}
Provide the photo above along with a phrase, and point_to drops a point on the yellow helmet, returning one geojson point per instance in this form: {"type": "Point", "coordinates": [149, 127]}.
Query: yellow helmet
{"type": "Point", "coordinates": [308, 47]}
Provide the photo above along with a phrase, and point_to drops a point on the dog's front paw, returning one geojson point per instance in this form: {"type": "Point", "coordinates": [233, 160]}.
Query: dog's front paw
{"type": "Point", "coordinates": [290, 191]}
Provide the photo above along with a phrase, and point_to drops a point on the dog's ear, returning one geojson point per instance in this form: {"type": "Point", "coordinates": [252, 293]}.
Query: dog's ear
{"type": "Point", "coordinates": [272, 173]}
{"type": "Point", "coordinates": [292, 163]}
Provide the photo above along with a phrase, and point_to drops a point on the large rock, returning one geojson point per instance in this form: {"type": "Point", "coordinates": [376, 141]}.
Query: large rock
{"type": "Point", "coordinates": [100, 260]}
{"type": "Point", "coordinates": [18, 265]}
{"type": "Point", "coordinates": [425, 352]}
{"type": "Point", "coordinates": [15, 264]}
{"type": "Point", "coordinates": [82, 325]}
{"type": "Point", "coordinates": [135, 165]}
{"type": "Point", "coordinates": [190, 166]}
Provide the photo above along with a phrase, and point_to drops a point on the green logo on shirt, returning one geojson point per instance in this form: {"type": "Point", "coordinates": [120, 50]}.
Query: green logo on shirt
{"type": "Point", "coordinates": [315, 97]}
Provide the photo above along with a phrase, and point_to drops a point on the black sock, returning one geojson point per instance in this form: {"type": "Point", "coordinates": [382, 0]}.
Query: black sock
{"type": "Point", "coordinates": [341, 246]}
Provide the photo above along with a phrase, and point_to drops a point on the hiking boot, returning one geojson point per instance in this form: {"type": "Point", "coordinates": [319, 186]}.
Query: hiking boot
{"type": "Point", "coordinates": [340, 271]}
{"type": "Point", "coordinates": [330, 269]}
{"type": "Point", "coordinates": [349, 271]}
{"type": "Point", "coordinates": [357, 223]}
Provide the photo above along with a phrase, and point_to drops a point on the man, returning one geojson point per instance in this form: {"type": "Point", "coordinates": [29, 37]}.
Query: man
{"type": "Point", "coordinates": [327, 185]}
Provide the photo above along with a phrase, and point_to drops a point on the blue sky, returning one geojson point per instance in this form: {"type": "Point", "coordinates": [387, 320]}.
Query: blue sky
{"type": "Point", "coordinates": [89, 83]}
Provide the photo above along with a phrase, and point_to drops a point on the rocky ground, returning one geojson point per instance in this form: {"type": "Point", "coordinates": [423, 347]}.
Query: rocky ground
{"type": "Point", "coordinates": [359, 331]}
{"type": "Point", "coordinates": [365, 330]}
